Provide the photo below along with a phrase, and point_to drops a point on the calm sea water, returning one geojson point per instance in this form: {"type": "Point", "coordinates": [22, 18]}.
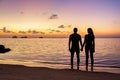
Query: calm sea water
{"type": "Point", "coordinates": [53, 52]}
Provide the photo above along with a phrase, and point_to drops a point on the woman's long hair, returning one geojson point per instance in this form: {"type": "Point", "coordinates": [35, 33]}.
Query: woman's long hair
{"type": "Point", "coordinates": [90, 31]}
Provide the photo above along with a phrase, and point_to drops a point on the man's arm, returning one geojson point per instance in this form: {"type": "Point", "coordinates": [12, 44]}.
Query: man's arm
{"type": "Point", "coordinates": [80, 41]}
{"type": "Point", "coordinates": [69, 43]}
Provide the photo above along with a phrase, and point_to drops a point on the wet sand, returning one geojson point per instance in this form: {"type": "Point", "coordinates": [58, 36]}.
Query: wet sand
{"type": "Point", "coordinates": [19, 72]}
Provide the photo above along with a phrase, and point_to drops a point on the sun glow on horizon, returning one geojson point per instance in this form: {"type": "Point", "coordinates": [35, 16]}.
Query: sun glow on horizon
{"type": "Point", "coordinates": [57, 18]}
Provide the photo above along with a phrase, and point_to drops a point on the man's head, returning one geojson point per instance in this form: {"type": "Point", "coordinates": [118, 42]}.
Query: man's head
{"type": "Point", "coordinates": [75, 30]}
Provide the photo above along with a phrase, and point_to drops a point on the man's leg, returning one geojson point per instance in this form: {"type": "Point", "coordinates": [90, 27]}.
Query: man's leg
{"type": "Point", "coordinates": [78, 60]}
{"type": "Point", "coordinates": [72, 57]}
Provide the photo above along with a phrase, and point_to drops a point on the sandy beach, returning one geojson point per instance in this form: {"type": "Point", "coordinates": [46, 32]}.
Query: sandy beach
{"type": "Point", "coordinates": [19, 72]}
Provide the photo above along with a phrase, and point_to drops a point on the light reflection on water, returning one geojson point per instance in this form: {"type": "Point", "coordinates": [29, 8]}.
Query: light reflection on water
{"type": "Point", "coordinates": [54, 51]}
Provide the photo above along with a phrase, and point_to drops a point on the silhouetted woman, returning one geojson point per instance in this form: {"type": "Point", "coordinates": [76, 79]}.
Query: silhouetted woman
{"type": "Point", "coordinates": [89, 43]}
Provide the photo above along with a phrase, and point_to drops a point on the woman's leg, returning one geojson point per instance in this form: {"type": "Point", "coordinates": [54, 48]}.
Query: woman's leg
{"type": "Point", "coordinates": [92, 60]}
{"type": "Point", "coordinates": [87, 56]}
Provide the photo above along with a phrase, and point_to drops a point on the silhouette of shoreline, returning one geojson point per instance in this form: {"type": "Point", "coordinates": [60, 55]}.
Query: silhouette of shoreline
{"type": "Point", "coordinates": [9, 72]}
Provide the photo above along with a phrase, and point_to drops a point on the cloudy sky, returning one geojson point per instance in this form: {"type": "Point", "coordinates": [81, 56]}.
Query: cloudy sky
{"type": "Point", "coordinates": [57, 18]}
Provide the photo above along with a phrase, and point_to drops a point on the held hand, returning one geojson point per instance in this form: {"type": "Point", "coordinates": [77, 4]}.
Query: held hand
{"type": "Point", "coordinates": [81, 49]}
{"type": "Point", "coordinates": [69, 49]}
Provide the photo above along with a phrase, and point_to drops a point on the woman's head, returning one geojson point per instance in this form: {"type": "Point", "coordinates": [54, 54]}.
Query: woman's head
{"type": "Point", "coordinates": [90, 31]}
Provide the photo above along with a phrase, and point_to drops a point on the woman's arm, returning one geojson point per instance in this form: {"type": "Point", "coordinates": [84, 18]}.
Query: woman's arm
{"type": "Point", "coordinates": [83, 43]}
{"type": "Point", "coordinates": [94, 44]}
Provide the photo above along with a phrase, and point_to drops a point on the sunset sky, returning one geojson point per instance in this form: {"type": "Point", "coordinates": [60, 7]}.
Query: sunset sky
{"type": "Point", "coordinates": [57, 18]}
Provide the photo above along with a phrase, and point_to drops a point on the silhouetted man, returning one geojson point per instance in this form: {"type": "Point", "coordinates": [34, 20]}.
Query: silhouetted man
{"type": "Point", "coordinates": [74, 42]}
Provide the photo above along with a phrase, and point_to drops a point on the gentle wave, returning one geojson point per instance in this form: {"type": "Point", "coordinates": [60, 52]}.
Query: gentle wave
{"type": "Point", "coordinates": [55, 51]}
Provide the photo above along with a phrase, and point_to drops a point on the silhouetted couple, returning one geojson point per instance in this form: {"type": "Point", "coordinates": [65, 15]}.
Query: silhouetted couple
{"type": "Point", "coordinates": [74, 46]}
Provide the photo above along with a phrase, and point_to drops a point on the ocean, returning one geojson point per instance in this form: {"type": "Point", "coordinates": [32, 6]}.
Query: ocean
{"type": "Point", "coordinates": [54, 53]}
